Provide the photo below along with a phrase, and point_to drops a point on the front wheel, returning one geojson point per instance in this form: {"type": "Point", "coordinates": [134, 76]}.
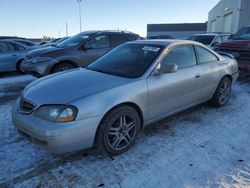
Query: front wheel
{"type": "Point", "coordinates": [118, 131]}
{"type": "Point", "coordinates": [222, 92]}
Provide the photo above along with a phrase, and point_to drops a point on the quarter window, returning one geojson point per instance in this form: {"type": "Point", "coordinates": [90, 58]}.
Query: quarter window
{"type": "Point", "coordinates": [99, 42]}
{"type": "Point", "coordinates": [183, 56]}
{"type": "Point", "coordinates": [204, 56]}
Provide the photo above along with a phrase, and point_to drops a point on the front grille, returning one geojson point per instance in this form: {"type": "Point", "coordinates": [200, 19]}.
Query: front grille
{"type": "Point", "coordinates": [26, 107]}
{"type": "Point", "coordinates": [239, 54]}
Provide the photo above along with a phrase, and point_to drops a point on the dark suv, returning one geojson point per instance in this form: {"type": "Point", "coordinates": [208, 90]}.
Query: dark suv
{"type": "Point", "coordinates": [239, 46]}
{"type": "Point", "coordinates": [77, 51]}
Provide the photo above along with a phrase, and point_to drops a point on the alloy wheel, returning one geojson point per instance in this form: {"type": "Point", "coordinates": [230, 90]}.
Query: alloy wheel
{"type": "Point", "coordinates": [122, 132]}
{"type": "Point", "coordinates": [224, 92]}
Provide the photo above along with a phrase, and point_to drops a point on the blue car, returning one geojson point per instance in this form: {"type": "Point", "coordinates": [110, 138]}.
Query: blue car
{"type": "Point", "coordinates": [11, 55]}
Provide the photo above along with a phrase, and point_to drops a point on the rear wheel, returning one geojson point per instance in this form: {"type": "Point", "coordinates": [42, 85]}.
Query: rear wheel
{"type": "Point", "coordinates": [222, 92]}
{"type": "Point", "coordinates": [63, 67]}
{"type": "Point", "coordinates": [118, 131]}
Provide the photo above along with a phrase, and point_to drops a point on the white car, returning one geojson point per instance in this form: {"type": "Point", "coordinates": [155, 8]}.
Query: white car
{"type": "Point", "coordinates": [210, 39]}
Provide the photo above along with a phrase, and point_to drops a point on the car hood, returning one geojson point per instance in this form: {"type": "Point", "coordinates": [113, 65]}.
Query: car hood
{"type": "Point", "coordinates": [66, 87]}
{"type": "Point", "coordinates": [43, 51]}
{"type": "Point", "coordinates": [235, 44]}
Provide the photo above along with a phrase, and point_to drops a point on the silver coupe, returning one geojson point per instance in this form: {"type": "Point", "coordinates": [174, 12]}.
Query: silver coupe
{"type": "Point", "coordinates": [109, 102]}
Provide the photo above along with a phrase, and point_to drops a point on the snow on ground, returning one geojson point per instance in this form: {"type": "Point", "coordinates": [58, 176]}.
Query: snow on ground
{"type": "Point", "coordinates": [11, 84]}
{"type": "Point", "coordinates": [201, 147]}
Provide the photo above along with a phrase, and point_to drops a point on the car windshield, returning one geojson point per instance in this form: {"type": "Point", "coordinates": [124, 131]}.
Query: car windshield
{"type": "Point", "coordinates": [129, 60]}
{"type": "Point", "coordinates": [204, 39]}
{"type": "Point", "coordinates": [73, 41]}
{"type": "Point", "coordinates": [243, 34]}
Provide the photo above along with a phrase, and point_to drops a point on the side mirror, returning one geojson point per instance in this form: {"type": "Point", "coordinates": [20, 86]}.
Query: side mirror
{"type": "Point", "coordinates": [166, 68]}
{"type": "Point", "coordinates": [87, 46]}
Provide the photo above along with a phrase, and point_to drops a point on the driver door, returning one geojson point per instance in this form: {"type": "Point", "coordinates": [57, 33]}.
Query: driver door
{"type": "Point", "coordinates": [171, 92]}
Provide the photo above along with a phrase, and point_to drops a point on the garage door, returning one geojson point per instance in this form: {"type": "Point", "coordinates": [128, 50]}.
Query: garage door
{"type": "Point", "coordinates": [228, 23]}
{"type": "Point", "coordinates": [213, 24]}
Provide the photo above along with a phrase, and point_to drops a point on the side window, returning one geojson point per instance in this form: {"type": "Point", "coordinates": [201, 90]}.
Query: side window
{"type": "Point", "coordinates": [183, 56]}
{"type": "Point", "coordinates": [205, 56]}
{"type": "Point", "coordinates": [6, 47]}
{"type": "Point", "coordinates": [99, 42]}
{"type": "Point", "coordinates": [117, 39]}
{"type": "Point", "coordinates": [17, 47]}
{"type": "Point", "coordinates": [218, 40]}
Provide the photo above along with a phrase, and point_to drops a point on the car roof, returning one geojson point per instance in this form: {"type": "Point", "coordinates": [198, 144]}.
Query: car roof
{"type": "Point", "coordinates": [163, 42]}
{"type": "Point", "coordinates": [12, 40]}
{"type": "Point", "coordinates": [92, 32]}
{"type": "Point", "coordinates": [211, 34]}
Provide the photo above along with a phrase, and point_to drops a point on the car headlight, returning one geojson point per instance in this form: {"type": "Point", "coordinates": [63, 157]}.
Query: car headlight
{"type": "Point", "coordinates": [57, 113]}
{"type": "Point", "coordinates": [39, 59]}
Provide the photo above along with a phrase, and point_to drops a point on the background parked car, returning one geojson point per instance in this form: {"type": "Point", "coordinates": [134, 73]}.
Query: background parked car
{"type": "Point", "coordinates": [210, 39]}
{"type": "Point", "coordinates": [239, 46]}
{"type": "Point", "coordinates": [27, 43]}
{"type": "Point", "coordinates": [11, 55]}
{"type": "Point", "coordinates": [54, 43]}
{"type": "Point", "coordinates": [77, 51]}
{"type": "Point", "coordinates": [160, 37]}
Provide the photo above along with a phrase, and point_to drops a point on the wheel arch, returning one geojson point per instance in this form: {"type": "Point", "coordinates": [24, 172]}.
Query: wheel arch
{"type": "Point", "coordinates": [130, 104]}
{"type": "Point", "coordinates": [63, 61]}
{"type": "Point", "coordinates": [18, 64]}
{"type": "Point", "coordinates": [228, 76]}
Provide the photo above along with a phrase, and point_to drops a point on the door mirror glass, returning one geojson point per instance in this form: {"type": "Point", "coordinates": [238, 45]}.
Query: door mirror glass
{"type": "Point", "coordinates": [166, 68]}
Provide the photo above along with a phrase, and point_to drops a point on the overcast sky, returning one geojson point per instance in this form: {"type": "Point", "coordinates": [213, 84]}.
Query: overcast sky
{"type": "Point", "coordinates": [36, 18]}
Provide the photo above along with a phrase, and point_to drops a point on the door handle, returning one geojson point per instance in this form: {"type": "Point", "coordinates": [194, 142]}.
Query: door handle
{"type": "Point", "coordinates": [197, 76]}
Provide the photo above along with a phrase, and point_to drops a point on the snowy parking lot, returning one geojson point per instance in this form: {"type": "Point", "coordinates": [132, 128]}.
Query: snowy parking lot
{"type": "Point", "coordinates": [201, 147]}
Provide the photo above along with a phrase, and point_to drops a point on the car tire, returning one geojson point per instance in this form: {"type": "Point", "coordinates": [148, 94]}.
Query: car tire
{"type": "Point", "coordinates": [118, 131]}
{"type": "Point", "coordinates": [222, 93]}
{"type": "Point", "coordinates": [63, 67]}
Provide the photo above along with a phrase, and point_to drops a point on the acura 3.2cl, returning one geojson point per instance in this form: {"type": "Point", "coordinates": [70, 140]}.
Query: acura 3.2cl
{"type": "Point", "coordinates": [109, 102]}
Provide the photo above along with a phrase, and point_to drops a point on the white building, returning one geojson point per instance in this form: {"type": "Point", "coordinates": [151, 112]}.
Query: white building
{"type": "Point", "coordinates": [229, 16]}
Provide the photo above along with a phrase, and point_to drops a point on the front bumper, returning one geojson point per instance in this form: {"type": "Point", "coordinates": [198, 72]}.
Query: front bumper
{"type": "Point", "coordinates": [56, 137]}
{"type": "Point", "coordinates": [37, 69]}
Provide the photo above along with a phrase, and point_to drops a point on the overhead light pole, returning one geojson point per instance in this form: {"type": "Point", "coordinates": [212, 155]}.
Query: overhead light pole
{"type": "Point", "coordinates": [80, 14]}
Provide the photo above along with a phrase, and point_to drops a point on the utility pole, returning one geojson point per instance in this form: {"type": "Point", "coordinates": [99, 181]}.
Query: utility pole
{"type": "Point", "coordinates": [67, 33]}
{"type": "Point", "coordinates": [80, 14]}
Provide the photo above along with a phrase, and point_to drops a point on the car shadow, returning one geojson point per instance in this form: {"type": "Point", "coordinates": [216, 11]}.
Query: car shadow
{"type": "Point", "coordinates": [10, 74]}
